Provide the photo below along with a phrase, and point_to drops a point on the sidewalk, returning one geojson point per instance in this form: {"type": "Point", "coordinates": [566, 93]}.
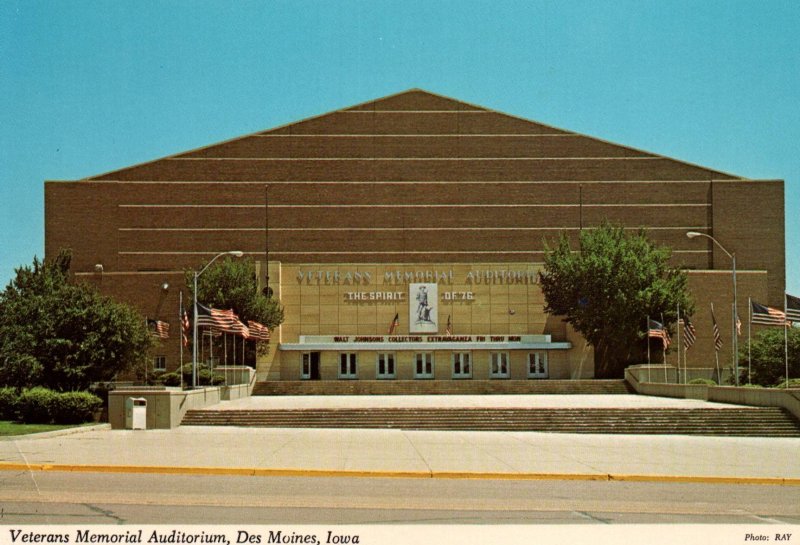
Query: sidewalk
{"type": "Point", "coordinates": [423, 454]}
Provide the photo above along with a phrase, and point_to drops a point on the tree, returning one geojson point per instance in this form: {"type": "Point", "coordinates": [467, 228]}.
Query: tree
{"type": "Point", "coordinates": [64, 335]}
{"type": "Point", "coordinates": [767, 358]}
{"type": "Point", "coordinates": [607, 288]}
{"type": "Point", "coordinates": [231, 284]}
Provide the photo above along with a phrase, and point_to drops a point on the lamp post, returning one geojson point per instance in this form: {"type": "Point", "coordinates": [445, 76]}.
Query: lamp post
{"type": "Point", "coordinates": [695, 234]}
{"type": "Point", "coordinates": [235, 253]}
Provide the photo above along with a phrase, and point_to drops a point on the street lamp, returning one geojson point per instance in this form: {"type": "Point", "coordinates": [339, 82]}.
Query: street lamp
{"type": "Point", "coordinates": [235, 253]}
{"type": "Point", "coordinates": [695, 234]}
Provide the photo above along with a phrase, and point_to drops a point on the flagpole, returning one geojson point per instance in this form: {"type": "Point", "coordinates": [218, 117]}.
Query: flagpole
{"type": "Point", "coordinates": [664, 345]}
{"type": "Point", "coordinates": [147, 326]}
{"type": "Point", "coordinates": [716, 349]}
{"type": "Point", "coordinates": [180, 321]}
{"type": "Point", "coordinates": [648, 348]}
{"type": "Point", "coordinates": [749, 353]}
{"type": "Point", "coordinates": [678, 327]}
{"type": "Point", "coordinates": [786, 339]}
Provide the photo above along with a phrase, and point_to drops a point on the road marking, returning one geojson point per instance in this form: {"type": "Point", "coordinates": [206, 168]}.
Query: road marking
{"type": "Point", "coordinates": [483, 475]}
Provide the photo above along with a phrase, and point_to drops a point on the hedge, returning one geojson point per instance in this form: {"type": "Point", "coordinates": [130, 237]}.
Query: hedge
{"type": "Point", "coordinates": [706, 381]}
{"type": "Point", "coordinates": [8, 403]}
{"type": "Point", "coordinates": [42, 406]}
{"type": "Point", "coordinates": [36, 405]}
{"type": "Point", "coordinates": [75, 407]}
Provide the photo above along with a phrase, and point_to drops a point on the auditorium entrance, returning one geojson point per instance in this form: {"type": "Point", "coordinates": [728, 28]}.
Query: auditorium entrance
{"type": "Point", "coordinates": [310, 366]}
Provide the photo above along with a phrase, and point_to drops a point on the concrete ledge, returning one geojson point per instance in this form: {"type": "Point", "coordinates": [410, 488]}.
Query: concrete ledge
{"type": "Point", "coordinates": [167, 407]}
{"type": "Point", "coordinates": [788, 399]}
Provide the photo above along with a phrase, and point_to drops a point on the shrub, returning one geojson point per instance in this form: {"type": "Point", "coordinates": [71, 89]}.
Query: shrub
{"type": "Point", "coordinates": [36, 405]}
{"type": "Point", "coordinates": [207, 378]}
{"type": "Point", "coordinates": [793, 383]}
{"type": "Point", "coordinates": [75, 407]}
{"type": "Point", "coordinates": [171, 379]}
{"type": "Point", "coordinates": [8, 403]}
{"type": "Point", "coordinates": [706, 381]}
{"type": "Point", "coordinates": [101, 389]}
{"type": "Point", "coordinates": [751, 386]}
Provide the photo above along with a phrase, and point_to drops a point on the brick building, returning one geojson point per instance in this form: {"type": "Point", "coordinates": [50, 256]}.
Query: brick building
{"type": "Point", "coordinates": [368, 205]}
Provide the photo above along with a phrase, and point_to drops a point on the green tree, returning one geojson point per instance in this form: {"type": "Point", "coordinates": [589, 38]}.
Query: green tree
{"type": "Point", "coordinates": [64, 335]}
{"type": "Point", "coordinates": [608, 287]}
{"type": "Point", "coordinates": [767, 360]}
{"type": "Point", "coordinates": [231, 284]}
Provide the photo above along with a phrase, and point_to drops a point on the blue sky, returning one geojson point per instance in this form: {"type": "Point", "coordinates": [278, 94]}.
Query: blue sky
{"type": "Point", "coordinates": [87, 87]}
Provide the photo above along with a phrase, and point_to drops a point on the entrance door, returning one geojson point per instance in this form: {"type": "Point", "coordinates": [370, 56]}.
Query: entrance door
{"type": "Point", "coordinates": [385, 366]}
{"type": "Point", "coordinates": [537, 365]}
{"type": "Point", "coordinates": [423, 365]}
{"type": "Point", "coordinates": [461, 367]}
{"type": "Point", "coordinates": [310, 369]}
{"type": "Point", "coordinates": [499, 365]}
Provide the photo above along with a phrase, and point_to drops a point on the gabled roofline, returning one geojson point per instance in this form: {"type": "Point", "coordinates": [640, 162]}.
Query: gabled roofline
{"type": "Point", "coordinates": [100, 177]}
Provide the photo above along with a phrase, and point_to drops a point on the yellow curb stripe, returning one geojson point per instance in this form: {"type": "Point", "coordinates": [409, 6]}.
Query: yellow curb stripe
{"type": "Point", "coordinates": [289, 472]}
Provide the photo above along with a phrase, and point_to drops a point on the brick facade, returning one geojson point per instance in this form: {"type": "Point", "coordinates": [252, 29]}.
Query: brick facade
{"type": "Point", "coordinates": [411, 178]}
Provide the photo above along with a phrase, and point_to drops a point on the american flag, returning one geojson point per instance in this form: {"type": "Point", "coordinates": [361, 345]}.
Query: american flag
{"type": "Point", "coordinates": [792, 308]}
{"type": "Point", "coordinates": [689, 333]}
{"type": "Point", "coordinates": [185, 328]}
{"type": "Point", "coordinates": [717, 337]}
{"type": "Point", "coordinates": [395, 324]}
{"type": "Point", "coordinates": [222, 320]}
{"type": "Point", "coordinates": [258, 332]}
{"type": "Point", "coordinates": [158, 328]}
{"type": "Point", "coordinates": [449, 330]}
{"type": "Point", "coordinates": [657, 331]}
{"type": "Point", "coordinates": [767, 315]}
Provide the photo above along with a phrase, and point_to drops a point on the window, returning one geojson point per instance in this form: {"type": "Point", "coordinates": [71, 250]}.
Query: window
{"type": "Point", "coordinates": [385, 366]}
{"type": "Point", "coordinates": [160, 363]}
{"type": "Point", "coordinates": [537, 365]}
{"type": "Point", "coordinates": [461, 365]}
{"type": "Point", "coordinates": [423, 365]}
{"type": "Point", "coordinates": [499, 365]}
{"type": "Point", "coordinates": [348, 365]}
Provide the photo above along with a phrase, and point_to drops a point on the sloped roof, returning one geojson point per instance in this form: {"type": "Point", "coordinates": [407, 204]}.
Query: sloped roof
{"type": "Point", "coordinates": [414, 135]}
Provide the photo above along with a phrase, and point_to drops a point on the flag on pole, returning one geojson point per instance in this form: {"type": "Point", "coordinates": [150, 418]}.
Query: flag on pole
{"type": "Point", "coordinates": [258, 332]}
{"type": "Point", "coordinates": [221, 320]}
{"type": "Point", "coordinates": [185, 328]}
{"type": "Point", "coordinates": [792, 308]}
{"type": "Point", "coordinates": [767, 315]}
{"type": "Point", "coordinates": [657, 331]}
{"type": "Point", "coordinates": [449, 330]}
{"type": "Point", "coordinates": [158, 328]}
{"type": "Point", "coordinates": [689, 332]}
{"type": "Point", "coordinates": [738, 325]}
{"type": "Point", "coordinates": [395, 324]}
{"type": "Point", "coordinates": [717, 336]}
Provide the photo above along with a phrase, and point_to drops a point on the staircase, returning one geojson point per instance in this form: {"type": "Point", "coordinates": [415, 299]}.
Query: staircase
{"type": "Point", "coordinates": [439, 387]}
{"type": "Point", "coordinates": [736, 421]}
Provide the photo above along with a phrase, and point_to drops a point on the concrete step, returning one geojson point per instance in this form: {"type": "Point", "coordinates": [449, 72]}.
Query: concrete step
{"type": "Point", "coordinates": [749, 421]}
{"type": "Point", "coordinates": [441, 387]}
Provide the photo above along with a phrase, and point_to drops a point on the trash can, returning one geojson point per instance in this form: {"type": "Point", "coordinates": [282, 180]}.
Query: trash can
{"type": "Point", "coordinates": [136, 413]}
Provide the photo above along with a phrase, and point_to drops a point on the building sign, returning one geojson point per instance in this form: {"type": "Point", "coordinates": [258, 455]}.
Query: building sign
{"type": "Point", "coordinates": [347, 343]}
{"type": "Point", "coordinates": [423, 308]}
{"type": "Point", "coordinates": [435, 338]}
{"type": "Point", "coordinates": [399, 296]}
{"type": "Point", "coordinates": [338, 277]}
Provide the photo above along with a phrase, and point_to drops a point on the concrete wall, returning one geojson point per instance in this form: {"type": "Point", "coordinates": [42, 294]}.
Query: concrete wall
{"type": "Point", "coordinates": [166, 408]}
{"type": "Point", "coordinates": [759, 397]}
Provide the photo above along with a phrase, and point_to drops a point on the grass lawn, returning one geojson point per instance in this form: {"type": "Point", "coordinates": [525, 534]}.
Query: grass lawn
{"type": "Point", "coordinates": [14, 428]}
